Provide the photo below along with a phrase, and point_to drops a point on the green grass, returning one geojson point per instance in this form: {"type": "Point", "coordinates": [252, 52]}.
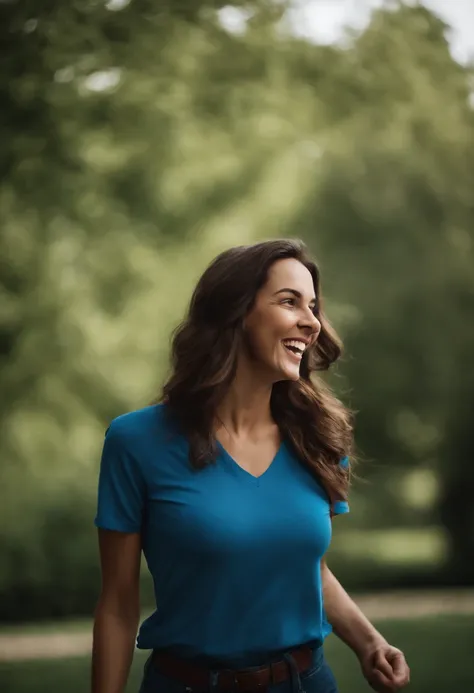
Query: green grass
{"type": "Point", "coordinates": [425, 546]}
{"type": "Point", "coordinates": [438, 650]}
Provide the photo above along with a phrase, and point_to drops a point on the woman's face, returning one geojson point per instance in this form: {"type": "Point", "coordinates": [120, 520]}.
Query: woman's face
{"type": "Point", "coordinates": [282, 324]}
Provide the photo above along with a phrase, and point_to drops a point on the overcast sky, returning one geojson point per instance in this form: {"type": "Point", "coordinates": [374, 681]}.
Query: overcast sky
{"type": "Point", "coordinates": [324, 20]}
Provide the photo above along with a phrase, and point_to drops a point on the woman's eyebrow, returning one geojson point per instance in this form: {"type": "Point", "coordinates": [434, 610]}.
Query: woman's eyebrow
{"type": "Point", "coordinates": [296, 293]}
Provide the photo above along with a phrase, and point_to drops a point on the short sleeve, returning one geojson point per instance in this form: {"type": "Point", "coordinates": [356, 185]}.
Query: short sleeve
{"type": "Point", "coordinates": [340, 507]}
{"type": "Point", "coordinates": [121, 490]}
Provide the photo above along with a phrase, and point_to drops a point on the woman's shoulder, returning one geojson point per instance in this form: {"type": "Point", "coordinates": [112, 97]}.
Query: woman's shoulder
{"type": "Point", "coordinates": [136, 427]}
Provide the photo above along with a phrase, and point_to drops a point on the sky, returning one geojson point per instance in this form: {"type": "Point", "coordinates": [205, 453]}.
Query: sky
{"type": "Point", "coordinates": [323, 20]}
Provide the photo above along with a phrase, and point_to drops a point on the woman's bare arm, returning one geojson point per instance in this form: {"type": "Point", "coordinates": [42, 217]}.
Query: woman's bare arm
{"type": "Point", "coordinates": [347, 620]}
{"type": "Point", "coordinates": [117, 613]}
{"type": "Point", "coordinates": [383, 665]}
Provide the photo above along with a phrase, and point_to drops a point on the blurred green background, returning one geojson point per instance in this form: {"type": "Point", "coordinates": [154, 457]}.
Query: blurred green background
{"type": "Point", "coordinates": [139, 139]}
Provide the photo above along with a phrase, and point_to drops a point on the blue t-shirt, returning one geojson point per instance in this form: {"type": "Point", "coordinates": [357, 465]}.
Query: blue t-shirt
{"type": "Point", "coordinates": [235, 559]}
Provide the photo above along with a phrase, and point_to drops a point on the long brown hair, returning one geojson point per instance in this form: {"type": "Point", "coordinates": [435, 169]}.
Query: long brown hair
{"type": "Point", "coordinates": [204, 359]}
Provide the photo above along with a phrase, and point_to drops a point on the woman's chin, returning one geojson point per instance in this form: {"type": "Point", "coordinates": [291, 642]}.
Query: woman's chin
{"type": "Point", "coordinates": [278, 371]}
{"type": "Point", "coordinates": [289, 374]}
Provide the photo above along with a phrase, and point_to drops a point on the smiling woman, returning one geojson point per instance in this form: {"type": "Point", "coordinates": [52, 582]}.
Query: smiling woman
{"type": "Point", "coordinates": [285, 317]}
{"type": "Point", "coordinates": [249, 303]}
{"type": "Point", "coordinates": [228, 484]}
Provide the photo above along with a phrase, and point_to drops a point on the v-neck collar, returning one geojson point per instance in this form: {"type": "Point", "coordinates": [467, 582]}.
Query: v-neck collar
{"type": "Point", "coordinates": [243, 472]}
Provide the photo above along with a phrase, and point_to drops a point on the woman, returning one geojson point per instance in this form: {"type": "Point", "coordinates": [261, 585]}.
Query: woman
{"type": "Point", "coordinates": [229, 485]}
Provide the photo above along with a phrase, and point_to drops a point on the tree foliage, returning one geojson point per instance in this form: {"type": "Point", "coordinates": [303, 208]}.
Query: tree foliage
{"type": "Point", "coordinates": [392, 215]}
{"type": "Point", "coordinates": [137, 141]}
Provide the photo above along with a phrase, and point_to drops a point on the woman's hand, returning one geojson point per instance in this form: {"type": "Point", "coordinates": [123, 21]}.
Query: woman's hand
{"type": "Point", "coordinates": [385, 668]}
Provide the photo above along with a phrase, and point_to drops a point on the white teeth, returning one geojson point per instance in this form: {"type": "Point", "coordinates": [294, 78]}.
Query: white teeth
{"type": "Point", "coordinates": [296, 344]}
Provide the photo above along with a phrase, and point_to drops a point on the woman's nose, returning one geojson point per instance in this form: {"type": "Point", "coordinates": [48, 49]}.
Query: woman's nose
{"type": "Point", "coordinates": [310, 320]}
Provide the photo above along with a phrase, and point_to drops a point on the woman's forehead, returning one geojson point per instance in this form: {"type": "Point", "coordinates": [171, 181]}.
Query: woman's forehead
{"type": "Point", "coordinates": [290, 273]}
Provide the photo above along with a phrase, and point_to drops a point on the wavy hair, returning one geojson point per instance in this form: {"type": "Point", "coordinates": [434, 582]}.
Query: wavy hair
{"type": "Point", "coordinates": [204, 360]}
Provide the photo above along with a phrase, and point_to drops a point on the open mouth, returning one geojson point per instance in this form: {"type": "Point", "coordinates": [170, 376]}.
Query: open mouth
{"type": "Point", "coordinates": [295, 347]}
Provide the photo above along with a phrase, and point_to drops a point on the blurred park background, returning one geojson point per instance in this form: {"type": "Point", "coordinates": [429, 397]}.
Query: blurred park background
{"type": "Point", "coordinates": [139, 139]}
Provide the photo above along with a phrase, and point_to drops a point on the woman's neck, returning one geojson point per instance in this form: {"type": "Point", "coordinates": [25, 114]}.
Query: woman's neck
{"type": "Point", "coordinates": [245, 409]}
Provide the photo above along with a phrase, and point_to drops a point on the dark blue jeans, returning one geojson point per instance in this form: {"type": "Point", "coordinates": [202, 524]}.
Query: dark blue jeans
{"type": "Point", "coordinates": [317, 679]}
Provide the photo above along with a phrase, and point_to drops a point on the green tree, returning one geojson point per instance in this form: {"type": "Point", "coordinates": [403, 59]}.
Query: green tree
{"type": "Point", "coordinates": [137, 142]}
{"type": "Point", "coordinates": [391, 216]}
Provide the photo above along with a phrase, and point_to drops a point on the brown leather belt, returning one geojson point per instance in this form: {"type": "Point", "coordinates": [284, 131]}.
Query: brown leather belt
{"type": "Point", "coordinates": [197, 676]}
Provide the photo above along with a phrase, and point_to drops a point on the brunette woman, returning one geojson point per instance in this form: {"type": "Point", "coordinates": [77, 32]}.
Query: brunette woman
{"type": "Point", "coordinates": [229, 486]}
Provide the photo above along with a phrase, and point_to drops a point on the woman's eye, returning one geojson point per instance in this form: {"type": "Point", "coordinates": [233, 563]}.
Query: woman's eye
{"type": "Point", "coordinates": [289, 301]}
